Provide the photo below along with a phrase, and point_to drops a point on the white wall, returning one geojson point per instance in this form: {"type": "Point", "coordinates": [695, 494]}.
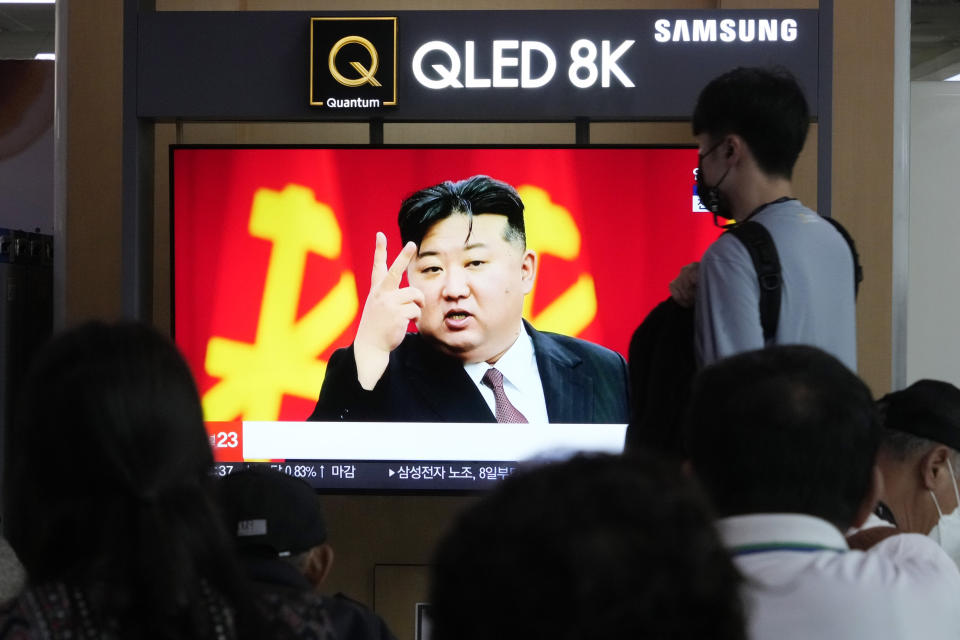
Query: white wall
{"type": "Point", "coordinates": [933, 294]}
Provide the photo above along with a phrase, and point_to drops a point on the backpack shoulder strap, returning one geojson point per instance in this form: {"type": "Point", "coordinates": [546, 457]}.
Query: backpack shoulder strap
{"type": "Point", "coordinates": [857, 267]}
{"type": "Point", "coordinates": [766, 261]}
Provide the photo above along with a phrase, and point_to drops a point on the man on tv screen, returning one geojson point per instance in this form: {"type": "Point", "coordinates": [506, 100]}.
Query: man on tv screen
{"type": "Point", "coordinates": [473, 358]}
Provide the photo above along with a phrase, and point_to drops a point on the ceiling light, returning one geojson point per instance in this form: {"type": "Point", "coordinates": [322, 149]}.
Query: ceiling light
{"type": "Point", "coordinates": [45, 56]}
{"type": "Point", "coordinates": [955, 78]}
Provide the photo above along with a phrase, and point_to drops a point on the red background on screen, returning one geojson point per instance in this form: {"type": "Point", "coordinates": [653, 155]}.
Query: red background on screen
{"type": "Point", "coordinates": [633, 209]}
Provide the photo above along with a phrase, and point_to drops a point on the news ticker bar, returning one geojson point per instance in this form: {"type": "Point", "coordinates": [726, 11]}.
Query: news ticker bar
{"type": "Point", "coordinates": [365, 475]}
{"type": "Point", "coordinates": [371, 442]}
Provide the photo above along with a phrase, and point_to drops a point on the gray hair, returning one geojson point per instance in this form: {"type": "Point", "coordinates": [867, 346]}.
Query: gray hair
{"type": "Point", "coordinates": [903, 446]}
{"type": "Point", "coordinates": [298, 560]}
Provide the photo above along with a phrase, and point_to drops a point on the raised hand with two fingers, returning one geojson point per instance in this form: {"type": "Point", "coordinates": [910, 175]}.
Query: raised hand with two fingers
{"type": "Point", "coordinates": [386, 313]}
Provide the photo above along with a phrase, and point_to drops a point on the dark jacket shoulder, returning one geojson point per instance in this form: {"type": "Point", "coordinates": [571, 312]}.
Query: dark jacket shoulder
{"type": "Point", "coordinates": [582, 383]}
{"type": "Point", "coordinates": [420, 384]}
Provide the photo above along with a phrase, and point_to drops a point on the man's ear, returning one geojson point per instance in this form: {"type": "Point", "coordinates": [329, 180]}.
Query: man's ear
{"type": "Point", "coordinates": [870, 500]}
{"type": "Point", "coordinates": [933, 467]}
{"type": "Point", "coordinates": [733, 148]}
{"type": "Point", "coordinates": [528, 269]}
{"type": "Point", "coordinates": [319, 563]}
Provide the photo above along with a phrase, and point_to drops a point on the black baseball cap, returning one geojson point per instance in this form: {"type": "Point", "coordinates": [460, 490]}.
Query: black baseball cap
{"type": "Point", "coordinates": [271, 513]}
{"type": "Point", "coordinates": [928, 409]}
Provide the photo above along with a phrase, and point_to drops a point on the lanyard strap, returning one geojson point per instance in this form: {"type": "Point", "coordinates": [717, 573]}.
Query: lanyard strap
{"type": "Point", "coordinates": [779, 200]}
{"type": "Point", "coordinates": [764, 547]}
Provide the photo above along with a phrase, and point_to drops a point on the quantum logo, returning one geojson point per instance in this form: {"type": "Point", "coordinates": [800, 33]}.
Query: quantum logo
{"type": "Point", "coordinates": [353, 62]}
{"type": "Point", "coordinates": [367, 76]}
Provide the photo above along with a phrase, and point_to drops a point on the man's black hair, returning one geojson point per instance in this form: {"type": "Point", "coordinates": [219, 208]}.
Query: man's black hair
{"type": "Point", "coordinates": [787, 429]}
{"type": "Point", "coordinates": [473, 196]}
{"type": "Point", "coordinates": [598, 547]}
{"type": "Point", "coordinates": [765, 107]}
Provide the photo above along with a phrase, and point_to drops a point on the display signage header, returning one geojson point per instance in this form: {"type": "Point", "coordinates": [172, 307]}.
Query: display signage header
{"type": "Point", "coordinates": [463, 65]}
{"type": "Point", "coordinates": [371, 80]}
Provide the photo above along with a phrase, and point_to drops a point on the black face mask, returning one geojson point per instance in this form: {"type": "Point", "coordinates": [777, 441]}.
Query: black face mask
{"type": "Point", "coordinates": [710, 196]}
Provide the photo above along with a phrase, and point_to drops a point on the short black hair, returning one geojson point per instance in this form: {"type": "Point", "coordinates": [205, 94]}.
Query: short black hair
{"type": "Point", "coordinates": [599, 547]}
{"type": "Point", "coordinates": [787, 429]}
{"type": "Point", "coordinates": [473, 196]}
{"type": "Point", "coordinates": [765, 107]}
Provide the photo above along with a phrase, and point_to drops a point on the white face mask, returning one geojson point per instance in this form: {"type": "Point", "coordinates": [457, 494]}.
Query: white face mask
{"type": "Point", "coordinates": [947, 530]}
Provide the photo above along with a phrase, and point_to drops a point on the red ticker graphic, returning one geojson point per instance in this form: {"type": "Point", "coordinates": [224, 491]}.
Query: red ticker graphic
{"type": "Point", "coordinates": [226, 440]}
{"type": "Point", "coordinates": [273, 250]}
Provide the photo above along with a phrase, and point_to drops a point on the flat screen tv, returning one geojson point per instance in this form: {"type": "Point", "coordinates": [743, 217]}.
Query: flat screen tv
{"type": "Point", "coordinates": [272, 250]}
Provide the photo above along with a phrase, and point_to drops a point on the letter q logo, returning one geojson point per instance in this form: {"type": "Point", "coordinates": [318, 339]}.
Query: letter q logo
{"type": "Point", "coordinates": [366, 74]}
{"type": "Point", "coordinates": [353, 62]}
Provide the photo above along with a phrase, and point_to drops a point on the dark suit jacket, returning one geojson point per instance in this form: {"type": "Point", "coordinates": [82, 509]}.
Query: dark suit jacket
{"type": "Point", "coordinates": [582, 383]}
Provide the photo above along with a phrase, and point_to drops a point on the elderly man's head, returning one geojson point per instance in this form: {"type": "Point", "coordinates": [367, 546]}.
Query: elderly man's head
{"type": "Point", "coordinates": [919, 456]}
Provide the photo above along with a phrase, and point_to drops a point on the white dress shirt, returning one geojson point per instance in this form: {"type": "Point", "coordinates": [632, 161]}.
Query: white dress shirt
{"type": "Point", "coordinates": [873, 520]}
{"type": "Point", "coordinates": [803, 582]}
{"type": "Point", "coordinates": [521, 379]}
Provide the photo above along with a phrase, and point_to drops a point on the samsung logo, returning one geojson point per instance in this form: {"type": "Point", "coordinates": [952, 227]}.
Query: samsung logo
{"type": "Point", "coordinates": [726, 30]}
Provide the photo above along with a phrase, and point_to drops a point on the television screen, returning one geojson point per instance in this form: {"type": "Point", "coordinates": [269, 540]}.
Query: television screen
{"type": "Point", "coordinates": [272, 253]}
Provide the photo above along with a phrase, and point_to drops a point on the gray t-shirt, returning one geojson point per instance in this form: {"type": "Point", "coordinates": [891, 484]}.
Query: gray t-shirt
{"type": "Point", "coordinates": [817, 299]}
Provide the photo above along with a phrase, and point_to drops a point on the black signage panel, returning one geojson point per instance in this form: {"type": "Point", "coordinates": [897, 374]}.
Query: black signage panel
{"type": "Point", "coordinates": [602, 64]}
{"type": "Point", "coordinates": [353, 62]}
{"type": "Point", "coordinates": [459, 65]}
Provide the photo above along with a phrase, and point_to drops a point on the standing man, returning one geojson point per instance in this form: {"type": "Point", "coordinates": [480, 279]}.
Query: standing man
{"type": "Point", "coordinates": [474, 358]}
{"type": "Point", "coordinates": [751, 124]}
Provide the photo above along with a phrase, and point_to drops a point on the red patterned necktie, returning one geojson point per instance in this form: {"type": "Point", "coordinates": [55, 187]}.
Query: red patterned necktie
{"type": "Point", "coordinates": [506, 412]}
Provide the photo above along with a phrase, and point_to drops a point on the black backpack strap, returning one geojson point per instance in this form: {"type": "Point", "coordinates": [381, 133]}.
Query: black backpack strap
{"type": "Point", "coordinates": [857, 268]}
{"type": "Point", "coordinates": [766, 261]}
